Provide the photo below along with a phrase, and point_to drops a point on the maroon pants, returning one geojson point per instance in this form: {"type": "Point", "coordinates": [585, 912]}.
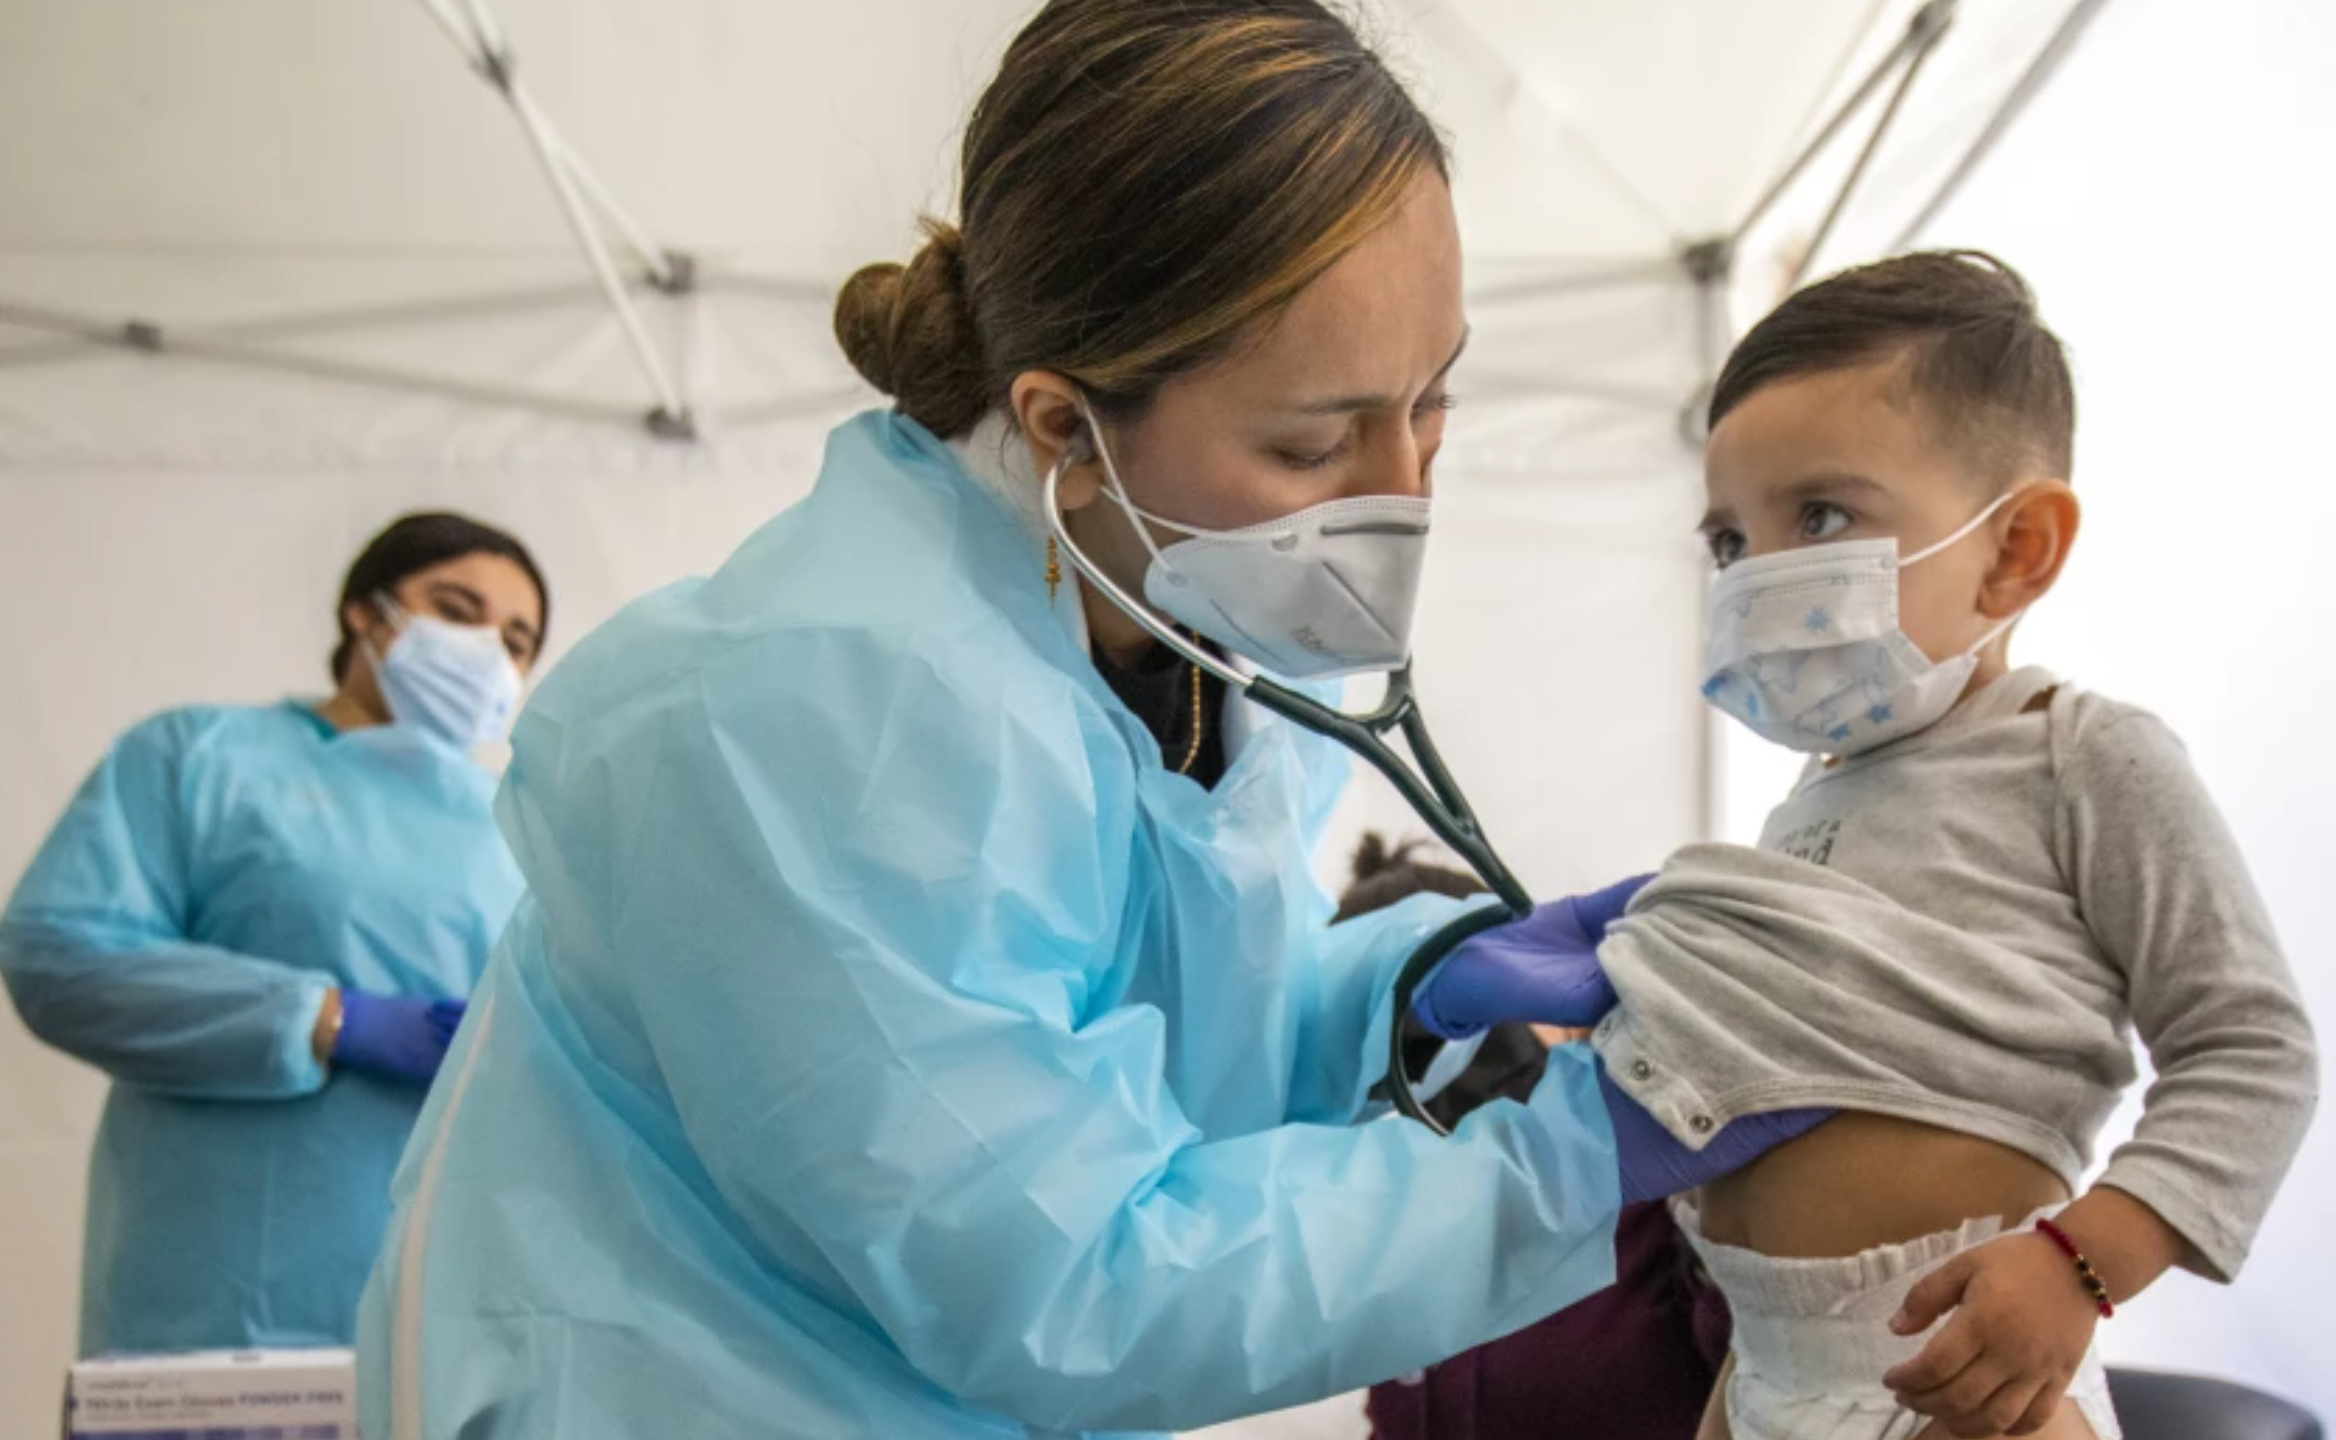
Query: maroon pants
{"type": "Point", "coordinates": [1635, 1361]}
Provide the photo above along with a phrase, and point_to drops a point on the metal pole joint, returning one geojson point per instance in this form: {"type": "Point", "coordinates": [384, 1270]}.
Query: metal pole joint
{"type": "Point", "coordinates": [676, 425]}
{"type": "Point", "coordinates": [500, 65]}
{"type": "Point", "coordinates": [1930, 22]}
{"type": "Point", "coordinates": [1709, 262]}
{"type": "Point", "coordinates": [680, 276]}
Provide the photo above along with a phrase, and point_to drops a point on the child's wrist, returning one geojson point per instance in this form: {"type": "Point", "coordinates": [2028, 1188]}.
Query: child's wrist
{"type": "Point", "coordinates": [2127, 1245]}
{"type": "Point", "coordinates": [2087, 1278]}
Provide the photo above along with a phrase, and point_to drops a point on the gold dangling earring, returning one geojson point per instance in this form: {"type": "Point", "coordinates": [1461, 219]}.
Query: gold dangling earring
{"type": "Point", "coordinates": [1054, 571]}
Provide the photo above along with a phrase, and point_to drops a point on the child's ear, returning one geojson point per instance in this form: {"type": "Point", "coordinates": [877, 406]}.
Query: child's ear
{"type": "Point", "coordinates": [2039, 526]}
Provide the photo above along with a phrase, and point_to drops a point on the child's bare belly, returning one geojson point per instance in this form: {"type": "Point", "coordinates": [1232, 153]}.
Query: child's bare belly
{"type": "Point", "coordinates": [1860, 1181]}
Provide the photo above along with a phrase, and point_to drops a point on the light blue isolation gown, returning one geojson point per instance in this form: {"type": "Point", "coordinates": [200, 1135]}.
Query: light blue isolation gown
{"type": "Point", "coordinates": [216, 874]}
{"type": "Point", "coordinates": [891, 1046]}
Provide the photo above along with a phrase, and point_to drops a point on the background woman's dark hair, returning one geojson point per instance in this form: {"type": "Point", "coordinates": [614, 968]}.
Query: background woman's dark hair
{"type": "Point", "coordinates": [414, 543]}
{"type": "Point", "coordinates": [1140, 183]}
{"type": "Point", "coordinates": [1978, 357]}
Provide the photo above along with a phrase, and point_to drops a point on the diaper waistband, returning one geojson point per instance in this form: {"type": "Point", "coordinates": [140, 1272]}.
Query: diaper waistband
{"type": "Point", "coordinates": [1821, 1327]}
{"type": "Point", "coordinates": [1834, 1286]}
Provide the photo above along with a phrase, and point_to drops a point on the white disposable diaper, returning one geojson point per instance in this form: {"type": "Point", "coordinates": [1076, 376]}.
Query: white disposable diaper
{"type": "Point", "coordinates": [1813, 1338]}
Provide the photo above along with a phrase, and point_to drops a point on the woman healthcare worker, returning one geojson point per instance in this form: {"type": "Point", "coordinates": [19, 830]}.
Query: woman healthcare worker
{"type": "Point", "coordinates": [922, 1020]}
{"type": "Point", "coordinates": [262, 924]}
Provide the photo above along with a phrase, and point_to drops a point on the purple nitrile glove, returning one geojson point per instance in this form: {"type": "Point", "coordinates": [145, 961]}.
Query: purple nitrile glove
{"type": "Point", "coordinates": [1543, 969]}
{"type": "Point", "coordinates": [395, 1037]}
{"type": "Point", "coordinates": [1655, 1164]}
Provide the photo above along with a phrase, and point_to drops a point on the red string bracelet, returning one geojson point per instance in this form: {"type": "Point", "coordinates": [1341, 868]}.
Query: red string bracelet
{"type": "Point", "coordinates": [2085, 1273]}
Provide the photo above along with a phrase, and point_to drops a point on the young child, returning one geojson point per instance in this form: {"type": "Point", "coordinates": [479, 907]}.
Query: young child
{"type": "Point", "coordinates": [1984, 882]}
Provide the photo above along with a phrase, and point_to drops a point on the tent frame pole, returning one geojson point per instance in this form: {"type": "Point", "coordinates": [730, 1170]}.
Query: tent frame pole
{"type": "Point", "coordinates": [2031, 83]}
{"type": "Point", "coordinates": [1923, 32]}
{"type": "Point", "coordinates": [1865, 157]}
{"type": "Point", "coordinates": [481, 40]}
{"type": "Point", "coordinates": [84, 336]}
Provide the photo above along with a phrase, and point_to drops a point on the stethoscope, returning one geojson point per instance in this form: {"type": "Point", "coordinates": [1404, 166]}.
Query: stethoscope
{"type": "Point", "coordinates": [1429, 789]}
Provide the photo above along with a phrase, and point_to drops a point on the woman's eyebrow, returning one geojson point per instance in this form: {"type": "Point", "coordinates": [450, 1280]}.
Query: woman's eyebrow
{"type": "Point", "coordinates": [1349, 404]}
{"type": "Point", "coordinates": [440, 589]}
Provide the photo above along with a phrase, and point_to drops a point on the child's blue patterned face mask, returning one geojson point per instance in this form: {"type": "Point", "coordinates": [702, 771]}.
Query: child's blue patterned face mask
{"type": "Point", "coordinates": [1804, 647]}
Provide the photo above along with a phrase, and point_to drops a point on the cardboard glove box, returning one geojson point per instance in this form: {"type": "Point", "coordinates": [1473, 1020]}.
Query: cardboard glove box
{"type": "Point", "coordinates": [220, 1395]}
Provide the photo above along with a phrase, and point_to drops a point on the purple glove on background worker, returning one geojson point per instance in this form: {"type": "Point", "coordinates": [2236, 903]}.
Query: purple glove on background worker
{"type": "Point", "coordinates": [395, 1037]}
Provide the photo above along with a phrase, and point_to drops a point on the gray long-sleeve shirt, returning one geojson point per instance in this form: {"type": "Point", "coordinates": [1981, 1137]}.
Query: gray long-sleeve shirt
{"type": "Point", "coordinates": [1965, 928]}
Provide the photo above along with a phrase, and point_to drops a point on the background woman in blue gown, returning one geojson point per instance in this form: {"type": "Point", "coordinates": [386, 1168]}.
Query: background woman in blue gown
{"type": "Point", "coordinates": [262, 924]}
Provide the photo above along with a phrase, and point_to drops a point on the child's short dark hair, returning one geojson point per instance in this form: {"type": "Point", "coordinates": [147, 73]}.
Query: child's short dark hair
{"type": "Point", "coordinates": [1992, 376]}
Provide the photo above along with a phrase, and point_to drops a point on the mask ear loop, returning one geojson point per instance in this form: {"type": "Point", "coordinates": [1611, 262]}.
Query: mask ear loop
{"type": "Point", "coordinates": [1997, 633]}
{"type": "Point", "coordinates": [398, 619]}
{"type": "Point", "coordinates": [1116, 489]}
{"type": "Point", "coordinates": [1968, 527]}
{"type": "Point", "coordinates": [1134, 609]}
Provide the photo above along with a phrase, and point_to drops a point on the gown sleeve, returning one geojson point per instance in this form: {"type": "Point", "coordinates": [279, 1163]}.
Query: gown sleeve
{"type": "Point", "coordinates": [866, 919]}
{"type": "Point", "coordinates": [96, 955]}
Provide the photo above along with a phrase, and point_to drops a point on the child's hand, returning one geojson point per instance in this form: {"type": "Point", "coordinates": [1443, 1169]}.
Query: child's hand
{"type": "Point", "coordinates": [2021, 1327]}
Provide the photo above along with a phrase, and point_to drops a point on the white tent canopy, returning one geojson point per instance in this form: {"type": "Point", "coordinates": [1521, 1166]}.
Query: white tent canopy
{"type": "Point", "coordinates": [335, 192]}
{"type": "Point", "coordinates": [272, 272]}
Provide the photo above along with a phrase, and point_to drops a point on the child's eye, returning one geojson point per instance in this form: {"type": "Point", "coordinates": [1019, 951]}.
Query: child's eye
{"type": "Point", "coordinates": [1727, 547]}
{"type": "Point", "coordinates": [1435, 404]}
{"type": "Point", "coordinates": [1822, 522]}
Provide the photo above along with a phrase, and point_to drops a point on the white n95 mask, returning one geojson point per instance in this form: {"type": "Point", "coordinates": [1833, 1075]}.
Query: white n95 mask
{"type": "Point", "coordinates": [454, 683]}
{"type": "Point", "coordinates": [1325, 592]}
{"type": "Point", "coordinates": [1804, 647]}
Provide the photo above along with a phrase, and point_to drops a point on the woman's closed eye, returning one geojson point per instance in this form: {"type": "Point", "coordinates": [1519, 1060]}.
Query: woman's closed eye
{"type": "Point", "coordinates": [456, 605]}
{"type": "Point", "coordinates": [1319, 459]}
{"type": "Point", "coordinates": [1322, 457]}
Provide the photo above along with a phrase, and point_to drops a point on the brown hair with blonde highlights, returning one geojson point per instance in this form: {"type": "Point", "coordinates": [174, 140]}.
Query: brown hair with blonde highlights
{"type": "Point", "coordinates": [1142, 183]}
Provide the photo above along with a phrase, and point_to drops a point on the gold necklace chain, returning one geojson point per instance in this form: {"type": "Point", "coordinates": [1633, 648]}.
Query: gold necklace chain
{"type": "Point", "coordinates": [1197, 714]}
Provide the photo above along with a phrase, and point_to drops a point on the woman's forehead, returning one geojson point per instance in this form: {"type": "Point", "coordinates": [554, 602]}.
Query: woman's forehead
{"type": "Point", "coordinates": [1384, 320]}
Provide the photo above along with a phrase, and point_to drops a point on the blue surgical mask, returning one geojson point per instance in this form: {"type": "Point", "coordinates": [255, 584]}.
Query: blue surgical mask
{"type": "Point", "coordinates": [453, 683]}
{"type": "Point", "coordinates": [1804, 647]}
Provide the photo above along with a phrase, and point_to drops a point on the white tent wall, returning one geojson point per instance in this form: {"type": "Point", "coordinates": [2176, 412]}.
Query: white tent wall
{"type": "Point", "coordinates": [2158, 196]}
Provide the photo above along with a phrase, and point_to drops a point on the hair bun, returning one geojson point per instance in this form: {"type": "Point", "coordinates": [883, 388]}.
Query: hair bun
{"type": "Point", "coordinates": [909, 331]}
